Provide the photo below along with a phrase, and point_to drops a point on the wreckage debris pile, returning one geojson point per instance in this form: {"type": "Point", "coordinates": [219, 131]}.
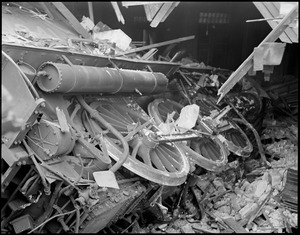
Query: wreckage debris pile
{"type": "Point", "coordinates": [284, 143]}
{"type": "Point", "coordinates": [247, 196]}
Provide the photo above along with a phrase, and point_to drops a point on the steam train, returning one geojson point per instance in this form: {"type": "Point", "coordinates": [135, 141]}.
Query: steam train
{"type": "Point", "coordinates": [84, 139]}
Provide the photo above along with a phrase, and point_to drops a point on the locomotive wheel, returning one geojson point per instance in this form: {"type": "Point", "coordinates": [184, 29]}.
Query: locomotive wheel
{"type": "Point", "coordinates": [234, 139]}
{"type": "Point", "coordinates": [207, 151]}
{"type": "Point", "coordinates": [237, 141]}
{"type": "Point", "coordinates": [162, 163]}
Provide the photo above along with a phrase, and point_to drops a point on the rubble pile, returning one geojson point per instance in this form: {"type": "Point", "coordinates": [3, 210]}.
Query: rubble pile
{"type": "Point", "coordinates": [222, 187]}
{"type": "Point", "coordinates": [247, 196]}
{"type": "Point", "coordinates": [253, 207]}
{"type": "Point", "coordinates": [284, 144]}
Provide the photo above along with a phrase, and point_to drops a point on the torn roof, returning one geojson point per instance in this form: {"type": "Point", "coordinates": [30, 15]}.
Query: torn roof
{"type": "Point", "coordinates": [273, 12]}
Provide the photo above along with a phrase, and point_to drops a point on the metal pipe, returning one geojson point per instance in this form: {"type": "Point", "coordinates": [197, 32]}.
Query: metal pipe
{"type": "Point", "coordinates": [47, 188]}
{"type": "Point", "coordinates": [26, 185]}
{"type": "Point", "coordinates": [64, 78]}
{"type": "Point", "coordinates": [77, 221]}
{"type": "Point", "coordinates": [94, 114]}
{"type": "Point", "coordinates": [48, 209]}
{"type": "Point", "coordinates": [46, 221]}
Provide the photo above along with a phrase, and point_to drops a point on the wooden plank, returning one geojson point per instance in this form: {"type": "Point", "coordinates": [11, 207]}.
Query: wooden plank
{"type": "Point", "coordinates": [248, 63]}
{"type": "Point", "coordinates": [157, 45]}
{"type": "Point", "coordinates": [118, 12]}
{"type": "Point", "coordinates": [91, 12]}
{"type": "Point", "coordinates": [275, 12]}
{"type": "Point", "coordinates": [149, 54]}
{"type": "Point", "coordinates": [160, 15]}
{"type": "Point", "coordinates": [282, 8]}
{"type": "Point", "coordinates": [151, 10]}
{"type": "Point", "coordinates": [175, 4]}
{"type": "Point", "coordinates": [148, 13]}
{"type": "Point", "coordinates": [277, 4]}
{"type": "Point", "coordinates": [272, 10]}
{"type": "Point", "coordinates": [260, 207]}
{"type": "Point", "coordinates": [266, 14]}
{"type": "Point", "coordinates": [292, 32]}
{"type": "Point", "coordinates": [235, 226]}
{"type": "Point", "coordinates": [71, 19]}
{"type": "Point", "coordinates": [129, 4]}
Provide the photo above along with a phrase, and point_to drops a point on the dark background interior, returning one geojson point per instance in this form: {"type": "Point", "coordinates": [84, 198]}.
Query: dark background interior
{"type": "Point", "coordinates": [224, 45]}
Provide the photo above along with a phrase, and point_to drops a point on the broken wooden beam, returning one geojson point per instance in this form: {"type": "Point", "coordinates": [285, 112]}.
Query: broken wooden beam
{"type": "Point", "coordinates": [151, 10]}
{"type": "Point", "coordinates": [265, 19]}
{"type": "Point", "coordinates": [275, 11]}
{"type": "Point", "coordinates": [71, 19]}
{"type": "Point", "coordinates": [248, 63]}
{"type": "Point", "coordinates": [260, 207]}
{"type": "Point", "coordinates": [235, 226]}
{"type": "Point", "coordinates": [118, 12]}
{"type": "Point", "coordinates": [198, 228]}
{"type": "Point", "coordinates": [175, 4]}
{"type": "Point", "coordinates": [130, 4]}
{"type": "Point", "coordinates": [163, 13]}
{"type": "Point", "coordinates": [149, 54]}
{"type": "Point", "coordinates": [156, 45]}
{"type": "Point", "coordinates": [268, 15]}
{"type": "Point", "coordinates": [160, 14]}
{"type": "Point", "coordinates": [91, 12]}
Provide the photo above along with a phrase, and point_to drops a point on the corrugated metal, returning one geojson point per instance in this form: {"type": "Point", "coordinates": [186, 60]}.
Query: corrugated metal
{"type": "Point", "coordinates": [272, 10]}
